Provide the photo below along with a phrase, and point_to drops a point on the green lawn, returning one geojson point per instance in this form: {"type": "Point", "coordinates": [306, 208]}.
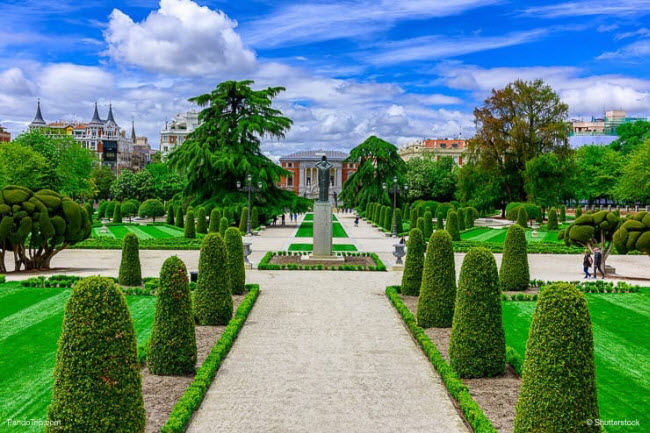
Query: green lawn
{"type": "Point", "coordinates": [143, 232]}
{"type": "Point", "coordinates": [498, 236]}
{"type": "Point", "coordinates": [310, 247]}
{"type": "Point", "coordinates": [310, 217]}
{"type": "Point", "coordinates": [621, 326]}
{"type": "Point", "coordinates": [306, 230]}
{"type": "Point", "coordinates": [30, 325]}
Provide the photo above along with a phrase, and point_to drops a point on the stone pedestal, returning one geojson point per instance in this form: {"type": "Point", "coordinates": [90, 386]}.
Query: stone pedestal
{"type": "Point", "coordinates": [322, 230]}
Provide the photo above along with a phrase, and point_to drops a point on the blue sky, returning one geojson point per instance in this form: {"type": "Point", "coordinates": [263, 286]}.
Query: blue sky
{"type": "Point", "coordinates": [402, 70]}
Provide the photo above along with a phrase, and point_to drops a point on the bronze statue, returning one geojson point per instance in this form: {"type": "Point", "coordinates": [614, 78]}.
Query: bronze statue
{"type": "Point", "coordinates": [323, 179]}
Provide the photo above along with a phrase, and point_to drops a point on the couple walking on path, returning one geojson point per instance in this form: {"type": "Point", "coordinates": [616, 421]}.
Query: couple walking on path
{"type": "Point", "coordinates": [597, 263]}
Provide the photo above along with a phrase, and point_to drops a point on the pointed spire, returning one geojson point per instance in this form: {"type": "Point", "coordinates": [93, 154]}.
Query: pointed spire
{"type": "Point", "coordinates": [133, 137]}
{"type": "Point", "coordinates": [96, 120]}
{"type": "Point", "coordinates": [110, 114]}
{"type": "Point", "coordinates": [38, 119]}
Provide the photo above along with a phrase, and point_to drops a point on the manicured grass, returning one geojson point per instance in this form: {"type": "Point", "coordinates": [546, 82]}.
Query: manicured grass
{"type": "Point", "coordinates": [621, 326]}
{"type": "Point", "coordinates": [498, 236]}
{"type": "Point", "coordinates": [310, 247]}
{"type": "Point", "coordinates": [310, 217]}
{"type": "Point", "coordinates": [306, 230]}
{"type": "Point", "coordinates": [143, 232]}
{"type": "Point", "coordinates": [30, 325]}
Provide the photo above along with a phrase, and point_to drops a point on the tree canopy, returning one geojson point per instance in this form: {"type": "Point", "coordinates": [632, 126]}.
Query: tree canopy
{"type": "Point", "coordinates": [630, 136]}
{"type": "Point", "coordinates": [599, 169]}
{"type": "Point", "coordinates": [549, 179]}
{"type": "Point", "coordinates": [429, 179]}
{"type": "Point", "coordinates": [138, 185]}
{"type": "Point", "coordinates": [634, 183]}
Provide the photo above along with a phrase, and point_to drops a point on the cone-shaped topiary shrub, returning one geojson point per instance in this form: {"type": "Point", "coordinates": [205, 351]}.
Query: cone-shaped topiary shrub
{"type": "Point", "coordinates": [117, 213]}
{"type": "Point", "coordinates": [215, 220]}
{"type": "Point", "coordinates": [90, 210]}
{"type": "Point", "coordinates": [388, 218]}
{"type": "Point", "coordinates": [562, 213]}
{"type": "Point", "coordinates": [235, 251]}
{"type": "Point", "coordinates": [101, 209]}
{"type": "Point", "coordinates": [179, 217]}
{"type": "Point", "coordinates": [243, 220]}
{"type": "Point", "coordinates": [172, 348]}
{"type": "Point", "coordinates": [414, 218]}
{"type": "Point", "coordinates": [522, 217]}
{"type": "Point", "coordinates": [428, 225]}
{"type": "Point", "coordinates": [461, 218]}
{"type": "Point", "coordinates": [255, 223]}
{"type": "Point", "coordinates": [414, 264]}
{"type": "Point", "coordinates": [97, 382]}
{"type": "Point", "coordinates": [514, 274]}
{"type": "Point", "coordinates": [420, 225]}
{"type": "Point", "coordinates": [201, 223]}
{"type": "Point", "coordinates": [452, 225]}
{"type": "Point", "coordinates": [223, 226]}
{"type": "Point", "coordinates": [440, 221]}
{"type": "Point", "coordinates": [130, 271]}
{"type": "Point", "coordinates": [190, 229]}
{"type": "Point", "coordinates": [558, 386]}
{"type": "Point", "coordinates": [469, 218]}
{"type": "Point", "coordinates": [552, 220]}
{"type": "Point", "coordinates": [405, 211]}
{"type": "Point", "coordinates": [438, 290]}
{"type": "Point", "coordinates": [212, 299]}
{"type": "Point", "coordinates": [477, 347]}
{"type": "Point", "coordinates": [170, 214]}
{"type": "Point", "coordinates": [398, 221]}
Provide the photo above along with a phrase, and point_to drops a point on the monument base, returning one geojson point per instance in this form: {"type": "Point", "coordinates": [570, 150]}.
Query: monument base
{"type": "Point", "coordinates": [323, 259]}
{"type": "Point", "coordinates": [322, 229]}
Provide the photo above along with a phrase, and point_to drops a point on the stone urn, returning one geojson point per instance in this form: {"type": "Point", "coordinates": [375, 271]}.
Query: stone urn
{"type": "Point", "coordinates": [247, 251]}
{"type": "Point", "coordinates": [399, 252]}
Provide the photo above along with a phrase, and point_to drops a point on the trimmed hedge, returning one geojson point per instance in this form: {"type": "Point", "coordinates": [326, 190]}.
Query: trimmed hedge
{"type": "Point", "coordinates": [457, 389]}
{"type": "Point", "coordinates": [438, 290]}
{"type": "Point", "coordinates": [558, 388]}
{"type": "Point", "coordinates": [97, 382]}
{"type": "Point", "coordinates": [117, 214]}
{"type": "Point", "coordinates": [201, 223]}
{"type": "Point", "coordinates": [235, 253]}
{"type": "Point", "coordinates": [130, 270]}
{"type": "Point", "coordinates": [243, 220]}
{"type": "Point", "coordinates": [462, 215]}
{"type": "Point", "coordinates": [522, 217]}
{"type": "Point", "coordinates": [420, 225]}
{"type": "Point", "coordinates": [215, 220]}
{"type": "Point", "coordinates": [172, 348]}
{"type": "Point", "coordinates": [213, 301]}
{"type": "Point", "coordinates": [514, 274]}
{"type": "Point", "coordinates": [428, 225]}
{"type": "Point", "coordinates": [190, 228]}
{"type": "Point", "coordinates": [223, 226]}
{"type": "Point", "coordinates": [264, 263]}
{"type": "Point", "coordinates": [477, 345]}
{"type": "Point", "coordinates": [255, 223]}
{"type": "Point", "coordinates": [179, 217]}
{"type": "Point", "coordinates": [552, 220]}
{"type": "Point", "coordinates": [398, 221]}
{"type": "Point", "coordinates": [452, 225]}
{"type": "Point", "coordinates": [414, 263]}
{"type": "Point", "coordinates": [440, 221]}
{"type": "Point", "coordinates": [193, 396]}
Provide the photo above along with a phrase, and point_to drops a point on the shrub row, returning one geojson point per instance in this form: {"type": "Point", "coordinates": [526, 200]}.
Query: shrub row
{"type": "Point", "coordinates": [265, 265]}
{"type": "Point", "coordinates": [193, 396]}
{"type": "Point", "coordinates": [106, 243]}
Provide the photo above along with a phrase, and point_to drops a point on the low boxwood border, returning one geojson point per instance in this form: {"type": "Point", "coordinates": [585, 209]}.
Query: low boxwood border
{"type": "Point", "coordinates": [456, 388]}
{"type": "Point", "coordinates": [193, 396]}
{"type": "Point", "coordinates": [264, 264]}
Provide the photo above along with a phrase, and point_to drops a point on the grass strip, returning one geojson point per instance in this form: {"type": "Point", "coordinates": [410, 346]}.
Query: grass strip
{"type": "Point", "coordinates": [193, 396]}
{"type": "Point", "coordinates": [456, 388]}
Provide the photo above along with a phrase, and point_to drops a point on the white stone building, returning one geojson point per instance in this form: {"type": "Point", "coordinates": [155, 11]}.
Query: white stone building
{"type": "Point", "coordinates": [175, 132]}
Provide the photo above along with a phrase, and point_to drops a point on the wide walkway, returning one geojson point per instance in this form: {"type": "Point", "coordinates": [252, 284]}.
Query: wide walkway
{"type": "Point", "coordinates": [325, 352]}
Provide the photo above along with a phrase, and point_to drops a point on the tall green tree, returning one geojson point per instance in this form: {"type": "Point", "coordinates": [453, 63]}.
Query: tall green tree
{"type": "Point", "coordinates": [599, 170]}
{"type": "Point", "coordinates": [630, 136]}
{"type": "Point", "coordinates": [634, 183]}
{"type": "Point", "coordinates": [226, 147]}
{"type": "Point", "coordinates": [166, 182]}
{"type": "Point", "coordinates": [429, 179]}
{"type": "Point", "coordinates": [139, 185]}
{"type": "Point", "coordinates": [516, 124]}
{"type": "Point", "coordinates": [481, 187]}
{"type": "Point", "coordinates": [21, 165]}
{"type": "Point", "coordinates": [379, 162]}
{"type": "Point", "coordinates": [549, 179]}
{"type": "Point", "coordinates": [103, 177]}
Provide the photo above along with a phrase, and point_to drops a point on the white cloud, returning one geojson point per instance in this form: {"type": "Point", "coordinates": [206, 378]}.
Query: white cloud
{"type": "Point", "coordinates": [606, 28]}
{"type": "Point", "coordinates": [643, 32]}
{"type": "Point", "coordinates": [591, 7]}
{"type": "Point", "coordinates": [634, 50]}
{"type": "Point", "coordinates": [179, 38]}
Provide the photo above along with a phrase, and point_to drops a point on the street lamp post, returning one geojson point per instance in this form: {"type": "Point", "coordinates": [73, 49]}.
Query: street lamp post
{"type": "Point", "coordinates": [249, 188]}
{"type": "Point", "coordinates": [395, 190]}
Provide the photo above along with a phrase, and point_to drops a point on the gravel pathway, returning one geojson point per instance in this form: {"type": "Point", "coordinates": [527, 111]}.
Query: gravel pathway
{"type": "Point", "coordinates": [325, 352]}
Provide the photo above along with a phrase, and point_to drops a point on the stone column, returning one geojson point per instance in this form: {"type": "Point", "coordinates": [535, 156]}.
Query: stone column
{"type": "Point", "coordinates": [322, 229]}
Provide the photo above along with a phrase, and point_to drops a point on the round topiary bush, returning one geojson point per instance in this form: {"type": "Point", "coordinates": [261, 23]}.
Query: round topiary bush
{"type": "Point", "coordinates": [235, 252]}
{"type": "Point", "coordinates": [514, 274]}
{"type": "Point", "coordinates": [438, 290]}
{"type": "Point", "coordinates": [477, 347]}
{"type": "Point", "coordinates": [201, 223]}
{"type": "Point", "coordinates": [522, 217]}
{"type": "Point", "coordinates": [151, 208]}
{"type": "Point", "coordinates": [215, 220]}
{"type": "Point", "coordinates": [97, 382]}
{"type": "Point", "coordinates": [558, 386]}
{"type": "Point", "coordinates": [414, 264]}
{"type": "Point", "coordinates": [172, 348]}
{"type": "Point", "coordinates": [179, 217]}
{"type": "Point", "coordinates": [190, 228]}
{"type": "Point", "coordinates": [130, 271]}
{"type": "Point", "coordinates": [243, 220]}
{"type": "Point", "coordinates": [117, 214]}
{"type": "Point", "coordinates": [452, 225]}
{"type": "Point", "coordinates": [212, 299]}
{"type": "Point", "coordinates": [223, 226]}
{"type": "Point", "coordinates": [552, 220]}
{"type": "Point", "coordinates": [428, 225]}
{"type": "Point", "coordinates": [170, 214]}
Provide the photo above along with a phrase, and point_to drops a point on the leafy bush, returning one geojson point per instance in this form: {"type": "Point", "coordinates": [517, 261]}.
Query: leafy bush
{"type": "Point", "coordinates": [235, 252]}
{"type": "Point", "coordinates": [634, 234]}
{"type": "Point", "coordinates": [130, 271]}
{"type": "Point", "coordinates": [190, 228]}
{"type": "Point", "coordinates": [414, 264]}
{"type": "Point", "coordinates": [452, 225]}
{"type": "Point", "coordinates": [97, 382]}
{"type": "Point", "coordinates": [215, 221]}
{"type": "Point", "coordinates": [151, 208]}
{"type": "Point", "coordinates": [172, 348]}
{"type": "Point", "coordinates": [514, 274]}
{"type": "Point", "coordinates": [558, 387]}
{"type": "Point", "coordinates": [243, 220]}
{"type": "Point", "coordinates": [129, 209]}
{"type": "Point", "coordinates": [477, 346]}
{"type": "Point", "coordinates": [428, 225]}
{"type": "Point", "coordinates": [532, 210]}
{"type": "Point", "coordinates": [522, 217]}
{"type": "Point", "coordinates": [213, 301]}
{"type": "Point", "coordinates": [438, 290]}
{"type": "Point", "coordinates": [117, 214]}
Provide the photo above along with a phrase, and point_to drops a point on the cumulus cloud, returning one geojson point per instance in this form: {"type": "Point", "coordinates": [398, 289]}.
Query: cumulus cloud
{"type": "Point", "coordinates": [179, 38]}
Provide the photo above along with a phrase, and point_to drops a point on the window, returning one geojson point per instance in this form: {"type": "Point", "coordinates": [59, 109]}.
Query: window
{"type": "Point", "coordinates": [454, 145]}
{"type": "Point", "coordinates": [290, 180]}
{"type": "Point", "coordinates": [443, 145]}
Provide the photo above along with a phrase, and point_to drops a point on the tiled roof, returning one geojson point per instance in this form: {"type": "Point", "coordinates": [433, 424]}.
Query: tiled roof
{"type": "Point", "coordinates": [333, 155]}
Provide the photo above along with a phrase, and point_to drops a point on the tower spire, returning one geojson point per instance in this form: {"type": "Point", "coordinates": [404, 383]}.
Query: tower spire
{"type": "Point", "coordinates": [133, 137]}
{"type": "Point", "coordinates": [96, 120]}
{"type": "Point", "coordinates": [110, 114]}
{"type": "Point", "coordinates": [38, 119]}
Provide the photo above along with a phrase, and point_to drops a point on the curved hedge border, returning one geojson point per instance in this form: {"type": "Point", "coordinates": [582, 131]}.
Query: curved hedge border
{"type": "Point", "coordinates": [265, 266]}
{"type": "Point", "coordinates": [193, 396]}
{"type": "Point", "coordinates": [456, 388]}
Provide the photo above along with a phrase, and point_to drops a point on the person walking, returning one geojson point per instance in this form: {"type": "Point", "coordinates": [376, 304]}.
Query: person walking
{"type": "Point", "coordinates": [598, 260]}
{"type": "Point", "coordinates": [586, 263]}
{"type": "Point", "coordinates": [356, 222]}
{"type": "Point", "coordinates": [283, 219]}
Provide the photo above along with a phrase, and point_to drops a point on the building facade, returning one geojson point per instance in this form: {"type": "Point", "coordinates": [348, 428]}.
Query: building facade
{"type": "Point", "coordinates": [175, 132]}
{"type": "Point", "coordinates": [5, 136]}
{"type": "Point", "coordinates": [598, 131]}
{"type": "Point", "coordinates": [449, 147]}
{"type": "Point", "coordinates": [303, 179]}
{"type": "Point", "coordinates": [104, 137]}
